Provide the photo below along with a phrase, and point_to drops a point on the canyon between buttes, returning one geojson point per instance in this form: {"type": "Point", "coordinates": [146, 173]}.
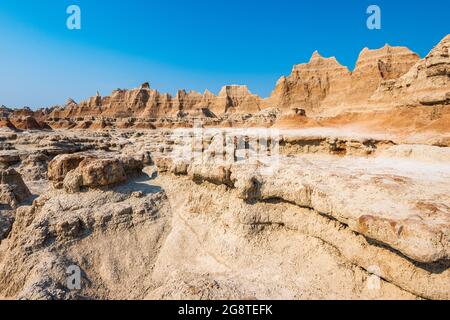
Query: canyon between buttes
{"type": "Point", "coordinates": [337, 186]}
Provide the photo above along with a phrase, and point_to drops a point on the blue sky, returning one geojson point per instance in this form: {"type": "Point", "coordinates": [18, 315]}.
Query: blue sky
{"type": "Point", "coordinates": [194, 45]}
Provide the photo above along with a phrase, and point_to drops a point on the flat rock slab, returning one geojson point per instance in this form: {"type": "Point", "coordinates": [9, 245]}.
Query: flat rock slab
{"type": "Point", "coordinates": [401, 203]}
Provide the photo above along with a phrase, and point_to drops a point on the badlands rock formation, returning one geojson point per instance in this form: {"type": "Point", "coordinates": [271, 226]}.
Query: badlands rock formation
{"type": "Point", "coordinates": [387, 85]}
{"type": "Point", "coordinates": [426, 83]}
{"type": "Point", "coordinates": [13, 189]}
{"type": "Point", "coordinates": [324, 84]}
{"type": "Point", "coordinates": [164, 214]}
{"type": "Point", "coordinates": [335, 187]}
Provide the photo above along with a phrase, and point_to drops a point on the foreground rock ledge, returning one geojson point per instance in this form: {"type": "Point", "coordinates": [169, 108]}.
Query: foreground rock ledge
{"type": "Point", "coordinates": [385, 200]}
{"type": "Point", "coordinates": [276, 243]}
{"type": "Point", "coordinates": [334, 215]}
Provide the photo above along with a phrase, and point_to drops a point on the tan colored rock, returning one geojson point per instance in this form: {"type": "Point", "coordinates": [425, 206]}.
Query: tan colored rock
{"type": "Point", "coordinates": [13, 190]}
{"type": "Point", "coordinates": [335, 210]}
{"type": "Point", "coordinates": [146, 103]}
{"type": "Point", "coordinates": [220, 174]}
{"type": "Point", "coordinates": [83, 224]}
{"type": "Point", "coordinates": [382, 78]}
{"type": "Point", "coordinates": [400, 219]}
{"type": "Point", "coordinates": [311, 83]}
{"type": "Point", "coordinates": [375, 66]}
{"type": "Point", "coordinates": [235, 98]}
{"type": "Point", "coordinates": [6, 222]}
{"type": "Point", "coordinates": [359, 195]}
{"type": "Point", "coordinates": [34, 166]}
{"type": "Point", "coordinates": [25, 123]}
{"type": "Point", "coordinates": [132, 165]}
{"type": "Point", "coordinates": [254, 240]}
{"type": "Point", "coordinates": [426, 83]}
{"type": "Point", "coordinates": [59, 167]}
{"type": "Point", "coordinates": [94, 172]}
{"type": "Point", "coordinates": [8, 158]}
{"type": "Point", "coordinates": [102, 172]}
{"type": "Point", "coordinates": [323, 84]}
{"type": "Point", "coordinates": [73, 181]}
{"type": "Point", "coordinates": [163, 163]}
{"type": "Point", "coordinates": [6, 123]}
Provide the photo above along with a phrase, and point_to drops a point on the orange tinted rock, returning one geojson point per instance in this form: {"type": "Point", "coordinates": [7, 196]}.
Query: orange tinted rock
{"type": "Point", "coordinates": [426, 83]}
{"type": "Point", "coordinates": [61, 165]}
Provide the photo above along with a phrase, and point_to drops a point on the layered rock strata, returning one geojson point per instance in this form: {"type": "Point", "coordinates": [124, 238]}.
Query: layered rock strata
{"type": "Point", "coordinates": [383, 78]}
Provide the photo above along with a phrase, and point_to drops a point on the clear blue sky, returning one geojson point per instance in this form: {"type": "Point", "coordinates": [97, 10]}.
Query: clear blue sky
{"type": "Point", "coordinates": [191, 44]}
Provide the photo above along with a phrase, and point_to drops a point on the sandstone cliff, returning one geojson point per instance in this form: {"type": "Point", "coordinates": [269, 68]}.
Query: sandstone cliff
{"type": "Point", "coordinates": [383, 79]}
{"type": "Point", "coordinates": [147, 102]}
{"type": "Point", "coordinates": [426, 83]}
{"type": "Point", "coordinates": [323, 84]}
